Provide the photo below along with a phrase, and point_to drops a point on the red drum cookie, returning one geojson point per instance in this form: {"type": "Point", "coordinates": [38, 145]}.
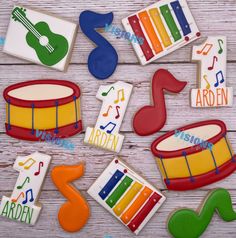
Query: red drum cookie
{"type": "Point", "coordinates": [186, 164]}
{"type": "Point", "coordinates": [49, 105]}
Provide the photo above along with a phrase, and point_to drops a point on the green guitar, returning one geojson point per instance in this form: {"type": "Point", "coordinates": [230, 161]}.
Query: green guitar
{"type": "Point", "coordinates": [50, 48]}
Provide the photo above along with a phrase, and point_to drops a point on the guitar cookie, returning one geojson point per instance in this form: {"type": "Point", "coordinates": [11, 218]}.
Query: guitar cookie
{"type": "Point", "coordinates": [188, 223]}
{"type": "Point", "coordinates": [36, 41]}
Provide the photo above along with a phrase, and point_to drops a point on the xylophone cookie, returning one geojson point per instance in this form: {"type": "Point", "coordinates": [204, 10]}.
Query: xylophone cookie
{"type": "Point", "coordinates": [22, 205]}
{"type": "Point", "coordinates": [188, 223]}
{"type": "Point", "coordinates": [40, 38]}
{"type": "Point", "coordinates": [211, 56]}
{"type": "Point", "coordinates": [165, 26]}
{"type": "Point", "coordinates": [74, 214]}
{"type": "Point", "coordinates": [194, 155]}
{"type": "Point", "coordinates": [105, 134]}
{"type": "Point", "coordinates": [126, 195]}
{"type": "Point", "coordinates": [29, 103]}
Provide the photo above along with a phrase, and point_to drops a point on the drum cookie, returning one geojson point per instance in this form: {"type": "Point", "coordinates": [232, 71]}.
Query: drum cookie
{"type": "Point", "coordinates": [186, 166]}
{"type": "Point", "coordinates": [23, 205]}
{"type": "Point", "coordinates": [165, 26]}
{"type": "Point", "coordinates": [188, 223]}
{"type": "Point", "coordinates": [49, 105]}
{"type": "Point", "coordinates": [126, 195]}
{"type": "Point", "coordinates": [74, 214]}
{"type": "Point", "coordinates": [211, 56]}
{"type": "Point", "coordinates": [40, 38]}
{"type": "Point", "coordinates": [150, 119]}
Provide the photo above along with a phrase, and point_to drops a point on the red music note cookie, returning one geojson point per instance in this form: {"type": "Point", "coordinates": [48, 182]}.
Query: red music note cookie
{"type": "Point", "coordinates": [151, 119]}
{"type": "Point", "coordinates": [73, 214]}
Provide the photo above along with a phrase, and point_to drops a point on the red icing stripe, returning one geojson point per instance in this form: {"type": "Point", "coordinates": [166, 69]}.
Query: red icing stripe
{"type": "Point", "coordinates": [138, 219]}
{"type": "Point", "coordinates": [183, 184]}
{"type": "Point", "coordinates": [134, 22]}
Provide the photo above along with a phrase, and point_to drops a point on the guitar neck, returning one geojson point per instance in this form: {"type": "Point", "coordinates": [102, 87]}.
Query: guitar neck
{"type": "Point", "coordinates": [27, 24]}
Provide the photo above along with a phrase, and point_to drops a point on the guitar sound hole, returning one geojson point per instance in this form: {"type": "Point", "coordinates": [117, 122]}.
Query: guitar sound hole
{"type": "Point", "coordinates": [43, 41]}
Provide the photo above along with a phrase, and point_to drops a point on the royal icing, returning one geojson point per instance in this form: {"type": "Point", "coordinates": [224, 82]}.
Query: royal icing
{"type": "Point", "coordinates": [29, 103]}
{"type": "Point", "coordinates": [202, 156]}
{"type": "Point", "coordinates": [103, 60]}
{"type": "Point", "coordinates": [212, 92]}
{"type": "Point", "coordinates": [150, 119]}
{"type": "Point", "coordinates": [23, 205]}
{"type": "Point", "coordinates": [188, 223]}
{"type": "Point", "coordinates": [126, 195]}
{"type": "Point", "coordinates": [40, 38]}
{"type": "Point", "coordinates": [165, 27]}
{"type": "Point", "coordinates": [74, 214]}
{"type": "Point", "coordinates": [105, 134]}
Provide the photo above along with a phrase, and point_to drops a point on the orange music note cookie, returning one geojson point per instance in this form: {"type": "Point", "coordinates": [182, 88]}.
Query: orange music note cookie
{"type": "Point", "coordinates": [73, 214]}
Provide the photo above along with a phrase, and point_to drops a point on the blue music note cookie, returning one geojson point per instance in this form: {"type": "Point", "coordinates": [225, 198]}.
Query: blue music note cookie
{"type": "Point", "coordinates": [102, 61]}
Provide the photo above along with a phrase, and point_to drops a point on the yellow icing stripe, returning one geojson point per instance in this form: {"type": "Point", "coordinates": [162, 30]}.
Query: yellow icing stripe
{"type": "Point", "coordinates": [155, 15]}
{"type": "Point", "coordinates": [199, 162]}
{"type": "Point", "coordinates": [44, 118]}
{"type": "Point", "coordinates": [128, 197]}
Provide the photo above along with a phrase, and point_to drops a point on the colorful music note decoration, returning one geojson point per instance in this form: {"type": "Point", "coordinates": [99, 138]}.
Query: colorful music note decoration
{"type": "Point", "coordinates": [211, 56]}
{"type": "Point", "coordinates": [105, 134]}
{"type": "Point", "coordinates": [165, 26]}
{"type": "Point", "coordinates": [188, 223]}
{"type": "Point", "coordinates": [126, 195]}
{"type": "Point", "coordinates": [150, 119]}
{"type": "Point", "coordinates": [41, 38]}
{"type": "Point", "coordinates": [23, 205]}
{"type": "Point", "coordinates": [73, 214]}
{"type": "Point", "coordinates": [103, 60]}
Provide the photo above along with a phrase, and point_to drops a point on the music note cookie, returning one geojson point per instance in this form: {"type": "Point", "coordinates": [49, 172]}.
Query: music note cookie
{"type": "Point", "coordinates": [73, 214]}
{"type": "Point", "coordinates": [40, 38]}
{"type": "Point", "coordinates": [211, 56]}
{"type": "Point", "coordinates": [194, 155]}
{"type": "Point", "coordinates": [126, 195]}
{"type": "Point", "coordinates": [105, 134]}
{"type": "Point", "coordinates": [21, 206]}
{"type": "Point", "coordinates": [188, 223]}
{"type": "Point", "coordinates": [151, 119]}
{"type": "Point", "coordinates": [103, 60]}
{"type": "Point", "coordinates": [165, 26]}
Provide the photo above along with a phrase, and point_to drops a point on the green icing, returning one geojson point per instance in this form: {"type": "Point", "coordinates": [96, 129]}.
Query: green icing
{"type": "Point", "coordinates": [186, 223]}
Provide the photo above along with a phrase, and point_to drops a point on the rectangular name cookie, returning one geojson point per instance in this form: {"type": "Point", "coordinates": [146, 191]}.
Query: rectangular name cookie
{"type": "Point", "coordinates": [40, 38]}
{"type": "Point", "coordinates": [126, 195]}
{"type": "Point", "coordinates": [164, 26]}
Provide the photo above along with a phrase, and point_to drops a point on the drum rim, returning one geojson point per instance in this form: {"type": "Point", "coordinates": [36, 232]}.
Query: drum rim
{"type": "Point", "coordinates": [41, 103]}
{"type": "Point", "coordinates": [188, 150]}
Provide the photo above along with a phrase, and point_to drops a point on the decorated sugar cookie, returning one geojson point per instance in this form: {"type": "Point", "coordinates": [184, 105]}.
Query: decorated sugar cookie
{"type": "Point", "coordinates": [150, 119]}
{"type": "Point", "coordinates": [212, 91]}
{"type": "Point", "coordinates": [103, 60]}
{"type": "Point", "coordinates": [188, 223]}
{"type": "Point", "coordinates": [126, 195]}
{"type": "Point", "coordinates": [73, 214]}
{"type": "Point", "coordinates": [194, 155]}
{"type": "Point", "coordinates": [39, 107]}
{"type": "Point", "coordinates": [23, 205]}
{"type": "Point", "coordinates": [40, 38]}
{"type": "Point", "coordinates": [165, 26]}
{"type": "Point", "coordinates": [105, 134]}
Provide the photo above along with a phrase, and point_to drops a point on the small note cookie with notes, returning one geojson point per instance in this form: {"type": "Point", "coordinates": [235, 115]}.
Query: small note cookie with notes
{"type": "Point", "coordinates": [105, 134]}
{"type": "Point", "coordinates": [211, 56]}
{"type": "Point", "coordinates": [40, 38]}
{"type": "Point", "coordinates": [23, 205]}
{"type": "Point", "coordinates": [126, 195]}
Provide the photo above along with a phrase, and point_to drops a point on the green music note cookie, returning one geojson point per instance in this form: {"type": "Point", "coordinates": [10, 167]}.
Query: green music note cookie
{"type": "Point", "coordinates": [186, 223]}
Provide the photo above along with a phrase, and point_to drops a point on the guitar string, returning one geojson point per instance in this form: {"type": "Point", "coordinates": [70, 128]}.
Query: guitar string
{"type": "Point", "coordinates": [34, 31]}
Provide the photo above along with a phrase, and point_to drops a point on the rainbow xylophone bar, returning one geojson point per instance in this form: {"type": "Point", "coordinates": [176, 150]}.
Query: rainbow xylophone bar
{"type": "Point", "coordinates": [126, 195]}
{"type": "Point", "coordinates": [165, 26]}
